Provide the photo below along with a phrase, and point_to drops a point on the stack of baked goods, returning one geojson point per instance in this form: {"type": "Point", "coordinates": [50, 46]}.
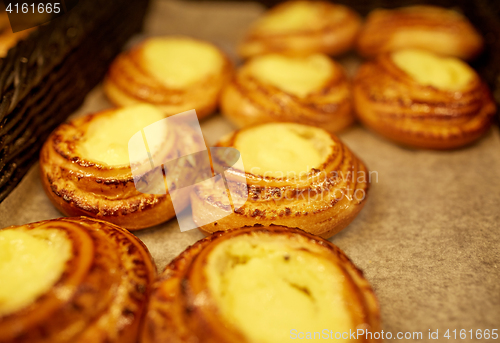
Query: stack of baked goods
{"type": "Point", "coordinates": [266, 271]}
{"type": "Point", "coordinates": [416, 91]}
{"type": "Point", "coordinates": [425, 97]}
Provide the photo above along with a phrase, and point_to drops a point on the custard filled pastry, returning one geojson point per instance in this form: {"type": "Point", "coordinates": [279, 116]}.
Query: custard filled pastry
{"type": "Point", "coordinates": [174, 73]}
{"type": "Point", "coordinates": [86, 169]}
{"type": "Point", "coordinates": [260, 285]}
{"type": "Point", "coordinates": [431, 28]}
{"type": "Point", "coordinates": [303, 27]}
{"type": "Point", "coordinates": [72, 280]}
{"type": "Point", "coordinates": [422, 100]}
{"type": "Point", "coordinates": [311, 90]}
{"type": "Point", "coordinates": [294, 175]}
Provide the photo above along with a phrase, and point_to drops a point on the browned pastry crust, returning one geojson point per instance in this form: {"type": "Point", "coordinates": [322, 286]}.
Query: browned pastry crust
{"type": "Point", "coordinates": [100, 297]}
{"type": "Point", "coordinates": [248, 101]}
{"type": "Point", "coordinates": [333, 33]}
{"type": "Point", "coordinates": [77, 186]}
{"type": "Point", "coordinates": [392, 103]}
{"type": "Point", "coordinates": [174, 315]}
{"type": "Point", "coordinates": [323, 201]}
{"type": "Point", "coordinates": [432, 28]}
{"type": "Point", "coordinates": [129, 83]}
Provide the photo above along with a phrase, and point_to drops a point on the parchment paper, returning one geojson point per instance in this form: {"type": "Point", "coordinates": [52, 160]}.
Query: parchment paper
{"type": "Point", "coordinates": [428, 238]}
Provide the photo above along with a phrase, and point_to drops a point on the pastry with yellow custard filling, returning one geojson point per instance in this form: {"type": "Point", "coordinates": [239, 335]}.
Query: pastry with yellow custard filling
{"type": "Point", "coordinates": [423, 100]}
{"type": "Point", "coordinates": [260, 285]}
{"type": "Point", "coordinates": [294, 175]}
{"type": "Point", "coordinates": [86, 170]}
{"type": "Point", "coordinates": [302, 28]}
{"type": "Point", "coordinates": [311, 90]}
{"type": "Point", "coordinates": [176, 74]}
{"type": "Point", "coordinates": [430, 28]}
{"type": "Point", "coordinates": [72, 280]}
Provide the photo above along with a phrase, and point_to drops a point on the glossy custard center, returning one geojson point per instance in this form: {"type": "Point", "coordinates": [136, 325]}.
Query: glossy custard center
{"type": "Point", "coordinates": [179, 62]}
{"type": "Point", "coordinates": [31, 262]}
{"type": "Point", "coordinates": [426, 68]}
{"type": "Point", "coordinates": [107, 136]}
{"type": "Point", "coordinates": [296, 75]}
{"type": "Point", "coordinates": [294, 17]}
{"type": "Point", "coordinates": [283, 149]}
{"type": "Point", "coordinates": [266, 286]}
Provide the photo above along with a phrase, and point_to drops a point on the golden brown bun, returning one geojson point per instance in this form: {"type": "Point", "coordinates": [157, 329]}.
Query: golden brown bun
{"type": "Point", "coordinates": [330, 29]}
{"type": "Point", "coordinates": [129, 82]}
{"type": "Point", "coordinates": [321, 201]}
{"type": "Point", "coordinates": [79, 186]}
{"type": "Point", "coordinates": [101, 295]}
{"type": "Point", "coordinates": [395, 105]}
{"type": "Point", "coordinates": [248, 100]}
{"type": "Point", "coordinates": [432, 28]}
{"type": "Point", "coordinates": [182, 309]}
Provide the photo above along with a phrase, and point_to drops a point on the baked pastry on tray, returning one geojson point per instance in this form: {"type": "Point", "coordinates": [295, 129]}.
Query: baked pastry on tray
{"type": "Point", "coordinates": [311, 90]}
{"type": "Point", "coordinates": [432, 28]}
{"type": "Point", "coordinates": [262, 285]}
{"type": "Point", "coordinates": [72, 280]}
{"type": "Point", "coordinates": [303, 27]}
{"type": "Point", "coordinates": [85, 167]}
{"type": "Point", "coordinates": [423, 100]}
{"type": "Point", "coordinates": [176, 74]}
{"type": "Point", "coordinates": [295, 175]}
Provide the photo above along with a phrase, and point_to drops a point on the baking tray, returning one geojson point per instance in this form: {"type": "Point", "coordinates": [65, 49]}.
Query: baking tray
{"type": "Point", "coordinates": [428, 238]}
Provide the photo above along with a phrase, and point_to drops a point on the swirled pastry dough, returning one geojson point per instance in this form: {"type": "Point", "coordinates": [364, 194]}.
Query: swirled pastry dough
{"type": "Point", "coordinates": [431, 28]}
{"type": "Point", "coordinates": [302, 28]}
{"type": "Point", "coordinates": [423, 100]}
{"type": "Point", "coordinates": [72, 280]}
{"type": "Point", "coordinates": [311, 90]}
{"type": "Point", "coordinates": [296, 176]}
{"type": "Point", "coordinates": [85, 167]}
{"type": "Point", "coordinates": [258, 285]}
{"type": "Point", "coordinates": [175, 74]}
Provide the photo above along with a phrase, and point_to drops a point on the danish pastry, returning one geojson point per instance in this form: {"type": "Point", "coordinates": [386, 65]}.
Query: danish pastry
{"type": "Point", "coordinates": [431, 28]}
{"type": "Point", "coordinates": [311, 90]}
{"type": "Point", "coordinates": [86, 170]}
{"type": "Point", "coordinates": [423, 100]}
{"type": "Point", "coordinates": [72, 280]}
{"type": "Point", "coordinates": [303, 27]}
{"type": "Point", "coordinates": [174, 73]}
{"type": "Point", "coordinates": [296, 176]}
{"type": "Point", "coordinates": [266, 285]}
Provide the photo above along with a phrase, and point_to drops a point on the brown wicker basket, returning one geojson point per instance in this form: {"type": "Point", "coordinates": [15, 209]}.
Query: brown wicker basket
{"type": "Point", "coordinates": [46, 77]}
